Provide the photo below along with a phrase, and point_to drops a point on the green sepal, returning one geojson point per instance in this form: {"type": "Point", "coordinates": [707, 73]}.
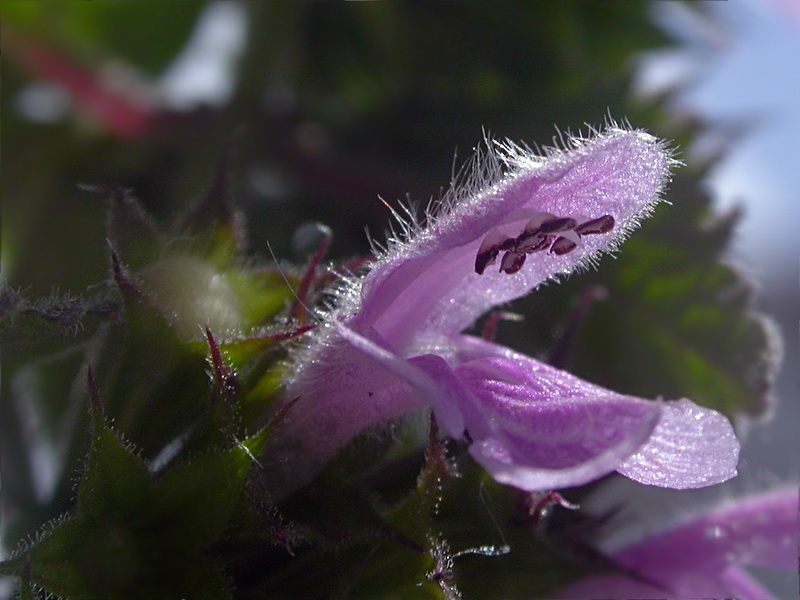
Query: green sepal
{"type": "Point", "coordinates": [131, 229]}
{"type": "Point", "coordinates": [136, 535]}
{"type": "Point", "coordinates": [262, 293]}
{"type": "Point", "coordinates": [415, 514]}
{"type": "Point", "coordinates": [194, 500]}
{"type": "Point", "coordinates": [115, 480]}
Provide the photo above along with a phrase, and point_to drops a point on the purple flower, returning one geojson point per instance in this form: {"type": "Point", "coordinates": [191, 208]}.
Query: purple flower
{"type": "Point", "coordinates": [393, 341]}
{"type": "Point", "coordinates": [704, 556]}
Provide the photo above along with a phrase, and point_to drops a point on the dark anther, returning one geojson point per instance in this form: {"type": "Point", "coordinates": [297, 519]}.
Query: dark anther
{"type": "Point", "coordinates": [558, 224]}
{"type": "Point", "coordinates": [507, 244]}
{"type": "Point", "coordinates": [602, 224]}
{"type": "Point", "coordinates": [484, 259]}
{"type": "Point", "coordinates": [512, 262]}
{"type": "Point", "coordinates": [563, 246]}
{"type": "Point", "coordinates": [533, 243]}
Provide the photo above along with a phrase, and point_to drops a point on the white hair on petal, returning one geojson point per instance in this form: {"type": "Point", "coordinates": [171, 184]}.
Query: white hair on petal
{"type": "Point", "coordinates": [491, 164]}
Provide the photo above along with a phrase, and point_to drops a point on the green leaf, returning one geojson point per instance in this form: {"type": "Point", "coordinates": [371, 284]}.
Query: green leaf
{"type": "Point", "coordinates": [477, 512]}
{"type": "Point", "coordinates": [152, 381]}
{"type": "Point", "coordinates": [84, 558]}
{"type": "Point", "coordinates": [136, 536]}
{"type": "Point", "coordinates": [195, 499]}
{"type": "Point", "coordinates": [115, 481]}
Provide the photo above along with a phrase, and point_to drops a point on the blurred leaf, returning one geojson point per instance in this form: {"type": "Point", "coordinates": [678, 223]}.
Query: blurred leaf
{"type": "Point", "coordinates": [130, 228]}
{"type": "Point", "coordinates": [103, 29]}
{"type": "Point", "coordinates": [215, 227]}
{"type": "Point", "coordinates": [51, 323]}
{"type": "Point", "coordinates": [115, 480]}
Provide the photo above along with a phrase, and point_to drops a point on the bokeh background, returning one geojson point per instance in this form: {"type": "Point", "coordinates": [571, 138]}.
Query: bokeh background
{"type": "Point", "coordinates": [329, 106]}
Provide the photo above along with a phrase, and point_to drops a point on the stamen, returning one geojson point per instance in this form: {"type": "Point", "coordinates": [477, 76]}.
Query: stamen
{"type": "Point", "coordinates": [512, 262]}
{"type": "Point", "coordinates": [540, 233]}
{"type": "Point", "coordinates": [563, 245]}
{"type": "Point", "coordinates": [602, 224]}
{"type": "Point", "coordinates": [507, 244]}
{"type": "Point", "coordinates": [533, 243]}
{"type": "Point", "coordinates": [485, 259]}
{"type": "Point", "coordinates": [557, 224]}
{"type": "Point", "coordinates": [490, 248]}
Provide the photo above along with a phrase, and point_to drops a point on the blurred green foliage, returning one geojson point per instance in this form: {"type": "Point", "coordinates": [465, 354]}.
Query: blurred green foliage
{"type": "Point", "coordinates": [334, 105]}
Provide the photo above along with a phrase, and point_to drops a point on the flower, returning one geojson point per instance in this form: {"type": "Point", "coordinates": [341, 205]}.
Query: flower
{"type": "Point", "coordinates": [704, 556]}
{"type": "Point", "coordinates": [393, 341]}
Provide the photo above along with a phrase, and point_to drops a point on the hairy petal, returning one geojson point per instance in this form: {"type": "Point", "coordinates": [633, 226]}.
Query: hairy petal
{"type": "Point", "coordinates": [340, 393]}
{"type": "Point", "coordinates": [428, 375]}
{"type": "Point", "coordinates": [429, 281]}
{"type": "Point", "coordinates": [692, 447]}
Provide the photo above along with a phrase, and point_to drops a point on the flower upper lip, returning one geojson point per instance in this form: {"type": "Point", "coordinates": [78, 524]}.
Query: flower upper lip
{"type": "Point", "coordinates": [406, 292]}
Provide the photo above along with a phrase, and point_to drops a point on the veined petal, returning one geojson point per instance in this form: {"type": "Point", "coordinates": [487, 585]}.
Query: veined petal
{"type": "Point", "coordinates": [692, 447]}
{"type": "Point", "coordinates": [539, 428]}
{"type": "Point", "coordinates": [429, 281]}
{"type": "Point", "coordinates": [533, 426]}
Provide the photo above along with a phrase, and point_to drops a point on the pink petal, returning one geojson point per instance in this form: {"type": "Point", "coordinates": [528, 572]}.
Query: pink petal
{"type": "Point", "coordinates": [692, 447]}
{"type": "Point", "coordinates": [429, 281]}
{"type": "Point", "coordinates": [428, 375]}
{"type": "Point", "coordinates": [735, 584]}
{"type": "Point", "coordinates": [339, 394]}
{"type": "Point", "coordinates": [703, 557]}
{"type": "Point", "coordinates": [539, 428]}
